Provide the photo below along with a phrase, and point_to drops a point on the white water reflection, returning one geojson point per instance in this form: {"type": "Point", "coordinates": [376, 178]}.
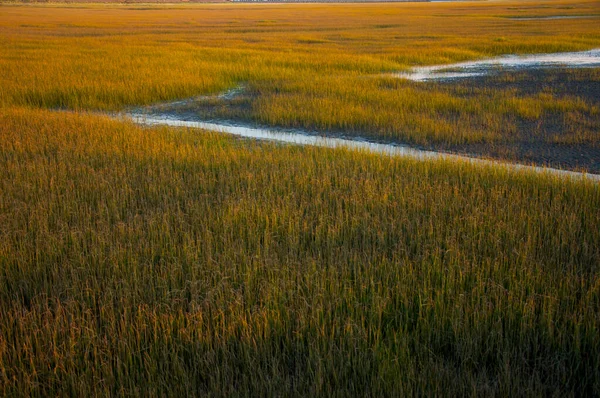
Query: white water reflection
{"type": "Point", "coordinates": [303, 138]}
{"type": "Point", "coordinates": [553, 17]}
{"type": "Point", "coordinates": [511, 62]}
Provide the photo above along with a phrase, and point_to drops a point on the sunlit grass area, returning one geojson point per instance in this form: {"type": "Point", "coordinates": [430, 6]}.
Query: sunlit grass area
{"type": "Point", "coordinates": [160, 261]}
{"type": "Point", "coordinates": [306, 68]}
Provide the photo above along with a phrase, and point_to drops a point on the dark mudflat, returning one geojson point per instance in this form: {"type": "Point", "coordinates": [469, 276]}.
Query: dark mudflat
{"type": "Point", "coordinates": [550, 140]}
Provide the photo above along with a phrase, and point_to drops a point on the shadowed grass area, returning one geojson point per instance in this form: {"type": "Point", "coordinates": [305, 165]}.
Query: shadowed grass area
{"type": "Point", "coordinates": [172, 261]}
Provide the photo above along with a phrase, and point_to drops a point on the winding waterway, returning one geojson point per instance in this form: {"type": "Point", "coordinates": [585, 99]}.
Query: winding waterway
{"type": "Point", "coordinates": [166, 116]}
{"type": "Point", "coordinates": [304, 138]}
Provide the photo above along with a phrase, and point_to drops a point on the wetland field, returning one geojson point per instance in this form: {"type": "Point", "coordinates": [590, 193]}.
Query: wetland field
{"type": "Point", "coordinates": [139, 256]}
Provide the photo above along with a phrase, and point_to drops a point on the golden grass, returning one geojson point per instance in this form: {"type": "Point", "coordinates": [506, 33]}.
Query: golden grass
{"type": "Point", "coordinates": [166, 261]}
{"type": "Point", "coordinates": [174, 262]}
{"type": "Point", "coordinates": [308, 69]}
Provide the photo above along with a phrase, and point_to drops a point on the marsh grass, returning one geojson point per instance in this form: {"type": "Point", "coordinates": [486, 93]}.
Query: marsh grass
{"type": "Point", "coordinates": [177, 262]}
{"type": "Point", "coordinates": [171, 261]}
{"type": "Point", "coordinates": [306, 68]}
